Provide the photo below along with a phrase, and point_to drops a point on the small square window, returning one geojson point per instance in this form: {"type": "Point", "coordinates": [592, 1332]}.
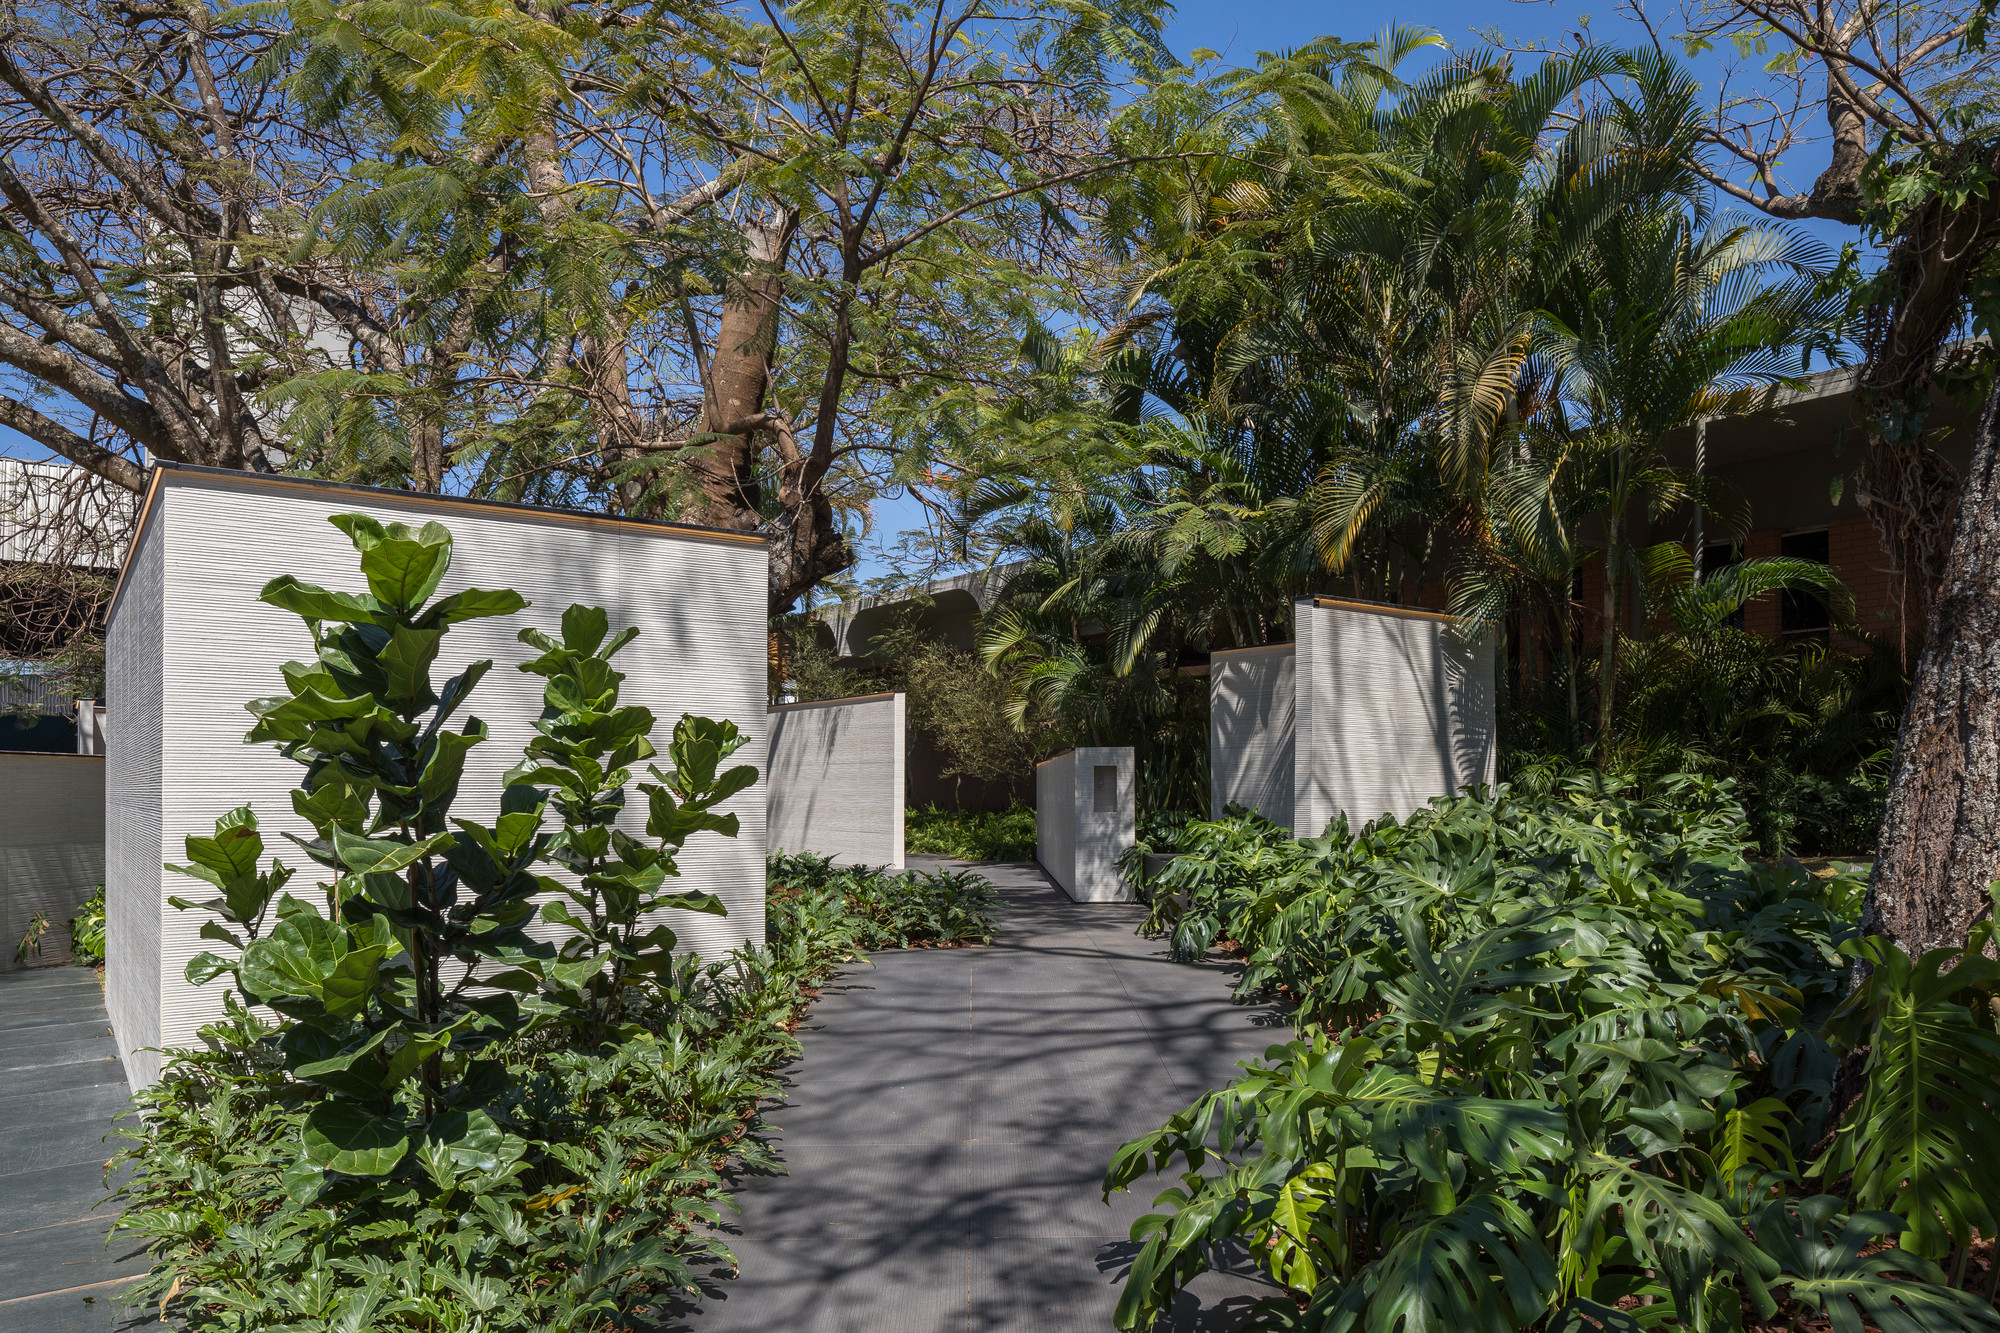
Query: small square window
{"type": "Point", "coordinates": [1104, 789]}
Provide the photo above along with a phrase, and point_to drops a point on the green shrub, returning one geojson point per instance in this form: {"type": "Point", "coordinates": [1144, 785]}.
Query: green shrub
{"type": "Point", "coordinates": [1564, 1061]}
{"type": "Point", "coordinates": [884, 910]}
{"type": "Point", "coordinates": [86, 930]}
{"type": "Point", "coordinates": [1806, 732]}
{"type": "Point", "coordinates": [449, 1123]}
{"type": "Point", "coordinates": [972, 835]}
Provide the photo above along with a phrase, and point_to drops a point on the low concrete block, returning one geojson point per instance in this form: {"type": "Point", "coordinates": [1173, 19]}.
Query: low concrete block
{"type": "Point", "coordinates": [1085, 820]}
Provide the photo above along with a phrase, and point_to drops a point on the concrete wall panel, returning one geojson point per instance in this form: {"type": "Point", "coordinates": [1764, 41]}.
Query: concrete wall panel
{"type": "Point", "coordinates": [134, 793]}
{"type": "Point", "coordinates": [1055, 817]}
{"type": "Point", "coordinates": [194, 635]}
{"type": "Point", "coordinates": [51, 842]}
{"type": "Point", "coordinates": [836, 780]}
{"type": "Point", "coordinates": [1394, 707]}
{"type": "Point", "coordinates": [1252, 731]}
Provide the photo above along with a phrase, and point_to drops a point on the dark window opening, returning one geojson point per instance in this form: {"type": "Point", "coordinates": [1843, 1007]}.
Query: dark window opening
{"type": "Point", "coordinates": [1803, 613]}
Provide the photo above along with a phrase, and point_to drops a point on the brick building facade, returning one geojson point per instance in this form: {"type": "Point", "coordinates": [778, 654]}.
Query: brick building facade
{"type": "Point", "coordinates": [1791, 469]}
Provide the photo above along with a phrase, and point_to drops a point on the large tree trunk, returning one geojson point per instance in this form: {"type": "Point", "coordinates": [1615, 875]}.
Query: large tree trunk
{"type": "Point", "coordinates": [806, 545]}
{"type": "Point", "coordinates": [725, 467]}
{"type": "Point", "coordinates": [1906, 487]}
{"type": "Point", "coordinates": [1940, 843]}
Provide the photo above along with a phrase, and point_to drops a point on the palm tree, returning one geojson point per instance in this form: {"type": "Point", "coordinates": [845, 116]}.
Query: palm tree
{"type": "Point", "coordinates": [1663, 323]}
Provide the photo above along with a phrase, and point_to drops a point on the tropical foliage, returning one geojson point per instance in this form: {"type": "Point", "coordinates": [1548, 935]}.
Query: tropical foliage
{"type": "Point", "coordinates": [884, 911]}
{"type": "Point", "coordinates": [86, 930]}
{"type": "Point", "coordinates": [972, 835]}
{"type": "Point", "coordinates": [1571, 1061]}
{"type": "Point", "coordinates": [416, 1113]}
{"type": "Point", "coordinates": [1414, 339]}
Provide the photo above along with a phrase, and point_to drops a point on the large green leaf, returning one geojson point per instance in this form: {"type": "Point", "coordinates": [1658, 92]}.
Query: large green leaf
{"type": "Point", "coordinates": [307, 956]}
{"type": "Point", "coordinates": [446, 764]}
{"type": "Point", "coordinates": [406, 667]}
{"type": "Point", "coordinates": [1835, 1264]}
{"type": "Point", "coordinates": [341, 1136]}
{"type": "Point", "coordinates": [294, 959]}
{"type": "Point", "coordinates": [1481, 1268]}
{"type": "Point", "coordinates": [472, 604]}
{"type": "Point", "coordinates": [1685, 1235]}
{"type": "Point", "coordinates": [404, 568]}
{"type": "Point", "coordinates": [584, 628]}
{"type": "Point", "coordinates": [385, 856]}
{"type": "Point", "coordinates": [1403, 1118]}
{"type": "Point", "coordinates": [1447, 998]}
{"type": "Point", "coordinates": [359, 1071]}
{"type": "Point", "coordinates": [318, 604]}
{"type": "Point", "coordinates": [364, 530]}
{"type": "Point", "coordinates": [473, 1142]}
{"type": "Point", "coordinates": [1921, 1140]}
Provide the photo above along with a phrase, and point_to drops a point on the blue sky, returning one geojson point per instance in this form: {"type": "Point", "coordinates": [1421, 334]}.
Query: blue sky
{"type": "Point", "coordinates": [1241, 28]}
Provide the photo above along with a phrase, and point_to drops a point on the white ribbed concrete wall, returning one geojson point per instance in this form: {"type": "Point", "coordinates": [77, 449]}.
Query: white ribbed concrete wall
{"type": "Point", "coordinates": [835, 786]}
{"type": "Point", "coordinates": [134, 793]}
{"type": "Point", "coordinates": [51, 841]}
{"type": "Point", "coordinates": [1394, 706]}
{"type": "Point", "coordinates": [1085, 819]}
{"type": "Point", "coordinates": [1055, 817]}
{"type": "Point", "coordinates": [698, 599]}
{"type": "Point", "coordinates": [1252, 731]}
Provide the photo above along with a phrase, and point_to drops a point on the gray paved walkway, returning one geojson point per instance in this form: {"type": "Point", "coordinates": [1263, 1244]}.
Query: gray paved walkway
{"type": "Point", "coordinates": [60, 1085]}
{"type": "Point", "coordinates": [950, 1120]}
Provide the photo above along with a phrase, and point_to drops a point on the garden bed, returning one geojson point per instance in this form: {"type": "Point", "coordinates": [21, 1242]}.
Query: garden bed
{"type": "Point", "coordinates": [1575, 1061]}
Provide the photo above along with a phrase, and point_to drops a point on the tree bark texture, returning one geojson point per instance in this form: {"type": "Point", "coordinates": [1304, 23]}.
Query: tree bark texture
{"type": "Point", "coordinates": [1906, 487]}
{"type": "Point", "coordinates": [806, 543]}
{"type": "Point", "coordinates": [725, 467]}
{"type": "Point", "coordinates": [1940, 842]}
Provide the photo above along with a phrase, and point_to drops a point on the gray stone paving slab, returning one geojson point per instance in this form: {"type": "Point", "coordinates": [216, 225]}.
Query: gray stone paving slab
{"type": "Point", "coordinates": [948, 1122]}
{"type": "Point", "coordinates": [90, 1309]}
{"type": "Point", "coordinates": [1036, 1282]}
{"type": "Point", "coordinates": [60, 1088]}
{"type": "Point", "coordinates": [34, 1041]}
{"type": "Point", "coordinates": [68, 1193]}
{"type": "Point", "coordinates": [68, 1254]}
{"type": "Point", "coordinates": [102, 1071]}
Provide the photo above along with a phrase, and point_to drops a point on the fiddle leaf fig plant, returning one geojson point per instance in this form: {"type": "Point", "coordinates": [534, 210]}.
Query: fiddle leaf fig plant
{"type": "Point", "coordinates": [414, 964]}
{"type": "Point", "coordinates": [583, 753]}
{"type": "Point", "coordinates": [413, 1114]}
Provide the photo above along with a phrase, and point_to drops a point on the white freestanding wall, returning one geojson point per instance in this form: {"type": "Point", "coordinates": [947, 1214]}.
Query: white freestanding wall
{"type": "Point", "coordinates": [1084, 820]}
{"type": "Point", "coordinates": [51, 842]}
{"type": "Point", "coordinates": [836, 782]}
{"type": "Point", "coordinates": [1389, 706]}
{"type": "Point", "coordinates": [188, 643]}
{"type": "Point", "coordinates": [1252, 731]}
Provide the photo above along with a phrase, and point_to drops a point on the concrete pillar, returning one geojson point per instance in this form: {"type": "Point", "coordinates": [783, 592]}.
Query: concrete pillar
{"type": "Point", "coordinates": [1085, 819]}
